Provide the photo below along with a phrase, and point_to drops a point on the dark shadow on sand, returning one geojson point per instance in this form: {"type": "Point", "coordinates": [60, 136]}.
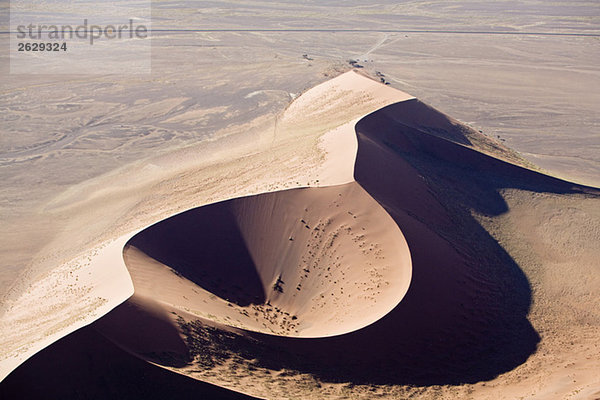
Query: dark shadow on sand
{"type": "Point", "coordinates": [205, 246]}
{"type": "Point", "coordinates": [144, 328]}
{"type": "Point", "coordinates": [86, 366]}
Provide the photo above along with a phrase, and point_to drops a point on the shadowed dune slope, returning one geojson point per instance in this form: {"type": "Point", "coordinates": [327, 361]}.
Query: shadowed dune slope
{"type": "Point", "coordinates": [415, 115]}
{"type": "Point", "coordinates": [303, 262]}
{"type": "Point", "coordinates": [85, 365]}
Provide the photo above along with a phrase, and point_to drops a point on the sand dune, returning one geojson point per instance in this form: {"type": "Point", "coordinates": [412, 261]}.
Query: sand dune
{"type": "Point", "coordinates": [408, 281]}
{"type": "Point", "coordinates": [83, 289]}
{"type": "Point", "coordinates": [303, 262]}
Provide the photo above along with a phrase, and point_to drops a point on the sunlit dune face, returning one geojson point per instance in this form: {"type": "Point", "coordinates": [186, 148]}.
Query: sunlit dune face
{"type": "Point", "coordinates": [305, 262]}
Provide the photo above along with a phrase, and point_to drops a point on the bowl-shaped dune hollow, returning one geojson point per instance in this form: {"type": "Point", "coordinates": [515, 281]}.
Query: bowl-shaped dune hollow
{"type": "Point", "coordinates": [306, 262]}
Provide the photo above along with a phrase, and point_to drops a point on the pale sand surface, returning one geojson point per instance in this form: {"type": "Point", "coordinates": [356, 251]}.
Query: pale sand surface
{"type": "Point", "coordinates": [500, 255]}
{"type": "Point", "coordinates": [63, 300]}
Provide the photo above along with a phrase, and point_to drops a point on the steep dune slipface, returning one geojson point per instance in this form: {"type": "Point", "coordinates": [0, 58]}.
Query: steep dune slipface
{"type": "Point", "coordinates": [304, 262]}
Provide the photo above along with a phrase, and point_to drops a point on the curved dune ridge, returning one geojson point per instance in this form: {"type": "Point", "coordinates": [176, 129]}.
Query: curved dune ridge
{"type": "Point", "coordinates": [304, 262]}
{"type": "Point", "coordinates": [408, 279]}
